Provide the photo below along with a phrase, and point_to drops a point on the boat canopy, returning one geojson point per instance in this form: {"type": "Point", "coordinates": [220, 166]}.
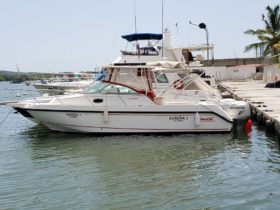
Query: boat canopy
{"type": "Point", "coordinates": [142, 36]}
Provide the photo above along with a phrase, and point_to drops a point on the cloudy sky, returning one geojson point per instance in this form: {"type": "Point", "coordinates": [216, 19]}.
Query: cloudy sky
{"type": "Point", "coordinates": [79, 35]}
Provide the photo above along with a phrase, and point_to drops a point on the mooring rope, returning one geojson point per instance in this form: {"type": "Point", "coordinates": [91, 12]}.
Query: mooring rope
{"type": "Point", "coordinates": [6, 117]}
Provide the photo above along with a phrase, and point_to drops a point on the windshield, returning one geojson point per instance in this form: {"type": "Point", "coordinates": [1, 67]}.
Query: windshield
{"type": "Point", "coordinates": [161, 77]}
{"type": "Point", "coordinates": [96, 87]}
{"type": "Point", "coordinates": [105, 88]}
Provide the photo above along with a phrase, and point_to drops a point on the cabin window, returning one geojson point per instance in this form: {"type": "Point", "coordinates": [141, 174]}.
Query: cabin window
{"type": "Point", "coordinates": [161, 78]}
{"type": "Point", "coordinates": [208, 82]}
{"type": "Point", "coordinates": [139, 72]}
{"type": "Point", "coordinates": [107, 88]}
{"type": "Point", "coordinates": [126, 90]}
{"type": "Point", "coordinates": [96, 87]}
{"type": "Point", "coordinates": [117, 89]}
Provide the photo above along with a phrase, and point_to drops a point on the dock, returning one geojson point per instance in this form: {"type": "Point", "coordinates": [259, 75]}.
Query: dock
{"type": "Point", "coordinates": [264, 102]}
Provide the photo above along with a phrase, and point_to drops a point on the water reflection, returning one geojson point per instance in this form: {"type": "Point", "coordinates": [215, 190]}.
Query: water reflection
{"type": "Point", "coordinates": [130, 165]}
{"type": "Point", "coordinates": [141, 171]}
{"type": "Point", "coordinates": [134, 151]}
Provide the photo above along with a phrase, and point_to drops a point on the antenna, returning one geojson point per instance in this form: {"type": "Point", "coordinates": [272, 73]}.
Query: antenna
{"type": "Point", "coordinates": [17, 68]}
{"type": "Point", "coordinates": [135, 21]}
{"type": "Point", "coordinates": [162, 28]}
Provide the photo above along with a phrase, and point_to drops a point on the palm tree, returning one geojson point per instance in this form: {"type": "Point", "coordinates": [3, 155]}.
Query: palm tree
{"type": "Point", "coordinates": [270, 35]}
{"type": "Point", "coordinates": [277, 46]}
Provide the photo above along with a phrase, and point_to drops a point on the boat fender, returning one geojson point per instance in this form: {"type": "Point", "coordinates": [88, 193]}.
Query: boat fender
{"type": "Point", "coordinates": [106, 116]}
{"type": "Point", "coordinates": [248, 125]}
{"type": "Point", "coordinates": [178, 84]}
{"type": "Point", "coordinates": [197, 120]}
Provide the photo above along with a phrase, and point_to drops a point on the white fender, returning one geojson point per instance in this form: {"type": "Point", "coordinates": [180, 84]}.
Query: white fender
{"type": "Point", "coordinates": [197, 120]}
{"type": "Point", "coordinates": [106, 116]}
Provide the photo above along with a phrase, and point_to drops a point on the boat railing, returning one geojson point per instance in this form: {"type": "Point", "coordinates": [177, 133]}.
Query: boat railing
{"type": "Point", "coordinates": [141, 53]}
{"type": "Point", "coordinates": [189, 86]}
{"type": "Point", "coordinates": [34, 96]}
{"type": "Point", "coordinates": [19, 92]}
{"type": "Point", "coordinates": [179, 84]}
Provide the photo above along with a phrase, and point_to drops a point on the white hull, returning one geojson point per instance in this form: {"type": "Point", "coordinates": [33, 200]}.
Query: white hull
{"type": "Point", "coordinates": [132, 121]}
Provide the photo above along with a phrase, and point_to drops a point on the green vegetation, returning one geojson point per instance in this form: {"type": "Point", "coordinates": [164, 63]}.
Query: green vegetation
{"type": "Point", "coordinates": [21, 77]}
{"type": "Point", "coordinates": [277, 46]}
{"type": "Point", "coordinates": [269, 36]}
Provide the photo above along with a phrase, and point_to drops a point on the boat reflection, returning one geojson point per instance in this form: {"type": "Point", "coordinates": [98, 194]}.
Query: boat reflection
{"type": "Point", "coordinates": [127, 165]}
{"type": "Point", "coordinates": [133, 152]}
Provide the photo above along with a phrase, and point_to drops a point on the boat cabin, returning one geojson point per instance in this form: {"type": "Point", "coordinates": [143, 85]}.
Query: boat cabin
{"type": "Point", "coordinates": [157, 79]}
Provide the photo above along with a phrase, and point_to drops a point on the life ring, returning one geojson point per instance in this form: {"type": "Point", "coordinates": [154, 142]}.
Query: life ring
{"type": "Point", "coordinates": [178, 84]}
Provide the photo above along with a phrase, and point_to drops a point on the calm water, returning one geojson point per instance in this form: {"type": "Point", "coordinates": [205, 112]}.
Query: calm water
{"type": "Point", "coordinates": [41, 169]}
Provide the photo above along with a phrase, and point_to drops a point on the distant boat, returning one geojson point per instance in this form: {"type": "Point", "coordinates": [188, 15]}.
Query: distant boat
{"type": "Point", "coordinates": [16, 81]}
{"type": "Point", "coordinates": [59, 88]}
{"type": "Point", "coordinates": [62, 85]}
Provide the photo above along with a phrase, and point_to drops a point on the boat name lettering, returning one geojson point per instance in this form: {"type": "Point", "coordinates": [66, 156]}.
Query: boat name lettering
{"type": "Point", "coordinates": [178, 118]}
{"type": "Point", "coordinates": [206, 119]}
{"type": "Point", "coordinates": [241, 107]}
{"type": "Point", "coordinates": [72, 114]}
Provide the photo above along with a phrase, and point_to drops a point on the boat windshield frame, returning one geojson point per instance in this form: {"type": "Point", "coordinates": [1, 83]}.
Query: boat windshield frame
{"type": "Point", "coordinates": [137, 78]}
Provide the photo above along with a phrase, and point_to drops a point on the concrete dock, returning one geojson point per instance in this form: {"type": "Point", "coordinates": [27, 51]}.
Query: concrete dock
{"type": "Point", "coordinates": [264, 102]}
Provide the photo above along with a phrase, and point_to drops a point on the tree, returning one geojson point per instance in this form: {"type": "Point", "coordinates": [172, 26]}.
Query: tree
{"type": "Point", "coordinates": [277, 46]}
{"type": "Point", "coordinates": [270, 35]}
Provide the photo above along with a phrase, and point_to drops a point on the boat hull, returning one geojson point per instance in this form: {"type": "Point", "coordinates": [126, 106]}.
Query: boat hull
{"type": "Point", "coordinates": [130, 121]}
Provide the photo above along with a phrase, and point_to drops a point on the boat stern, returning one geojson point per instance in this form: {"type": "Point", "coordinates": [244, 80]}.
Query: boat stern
{"type": "Point", "coordinates": [239, 110]}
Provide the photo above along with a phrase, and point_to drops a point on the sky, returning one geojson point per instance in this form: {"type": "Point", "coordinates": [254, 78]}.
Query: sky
{"type": "Point", "coordinates": [80, 35]}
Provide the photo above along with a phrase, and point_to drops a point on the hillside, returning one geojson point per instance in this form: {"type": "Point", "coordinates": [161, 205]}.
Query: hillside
{"type": "Point", "coordinates": [22, 76]}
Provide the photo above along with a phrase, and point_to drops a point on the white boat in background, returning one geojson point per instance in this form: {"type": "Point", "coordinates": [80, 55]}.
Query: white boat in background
{"type": "Point", "coordinates": [155, 98]}
{"type": "Point", "coordinates": [150, 47]}
{"type": "Point", "coordinates": [191, 86]}
{"type": "Point", "coordinates": [60, 88]}
{"type": "Point", "coordinates": [70, 82]}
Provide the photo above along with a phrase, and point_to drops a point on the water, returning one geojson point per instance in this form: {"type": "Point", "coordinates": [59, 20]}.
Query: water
{"type": "Point", "coordinates": [42, 169]}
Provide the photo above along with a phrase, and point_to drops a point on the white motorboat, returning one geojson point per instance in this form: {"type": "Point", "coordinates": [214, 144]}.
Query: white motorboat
{"type": "Point", "coordinates": [69, 82]}
{"type": "Point", "coordinates": [61, 87]}
{"type": "Point", "coordinates": [149, 47]}
{"type": "Point", "coordinates": [134, 99]}
{"type": "Point", "coordinates": [191, 86]}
